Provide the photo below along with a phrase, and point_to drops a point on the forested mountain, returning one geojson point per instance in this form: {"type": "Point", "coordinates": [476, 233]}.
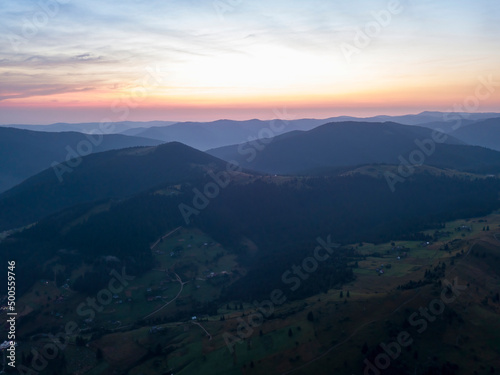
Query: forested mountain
{"type": "Point", "coordinates": [112, 174]}
{"type": "Point", "coordinates": [353, 143]}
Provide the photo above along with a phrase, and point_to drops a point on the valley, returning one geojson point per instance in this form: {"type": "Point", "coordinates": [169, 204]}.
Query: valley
{"type": "Point", "coordinates": [153, 330]}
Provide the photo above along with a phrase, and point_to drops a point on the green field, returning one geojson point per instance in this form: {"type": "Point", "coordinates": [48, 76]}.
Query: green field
{"type": "Point", "coordinates": [341, 326]}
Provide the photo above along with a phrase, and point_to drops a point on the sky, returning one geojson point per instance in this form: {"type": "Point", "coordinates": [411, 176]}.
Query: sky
{"type": "Point", "coordinates": [201, 60]}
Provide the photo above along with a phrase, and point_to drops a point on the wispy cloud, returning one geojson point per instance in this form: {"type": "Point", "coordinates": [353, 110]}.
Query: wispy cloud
{"type": "Point", "coordinates": [271, 48]}
{"type": "Point", "coordinates": [42, 90]}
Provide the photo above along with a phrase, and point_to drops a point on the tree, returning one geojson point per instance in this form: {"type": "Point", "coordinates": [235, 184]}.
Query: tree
{"type": "Point", "coordinates": [310, 316]}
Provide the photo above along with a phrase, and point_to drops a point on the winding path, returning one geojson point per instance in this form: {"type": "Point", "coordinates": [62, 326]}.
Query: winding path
{"type": "Point", "coordinates": [203, 328]}
{"type": "Point", "coordinates": [165, 236]}
{"type": "Point", "coordinates": [177, 276]}
{"type": "Point", "coordinates": [172, 300]}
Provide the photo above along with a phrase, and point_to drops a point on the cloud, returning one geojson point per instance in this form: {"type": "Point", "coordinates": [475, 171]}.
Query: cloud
{"type": "Point", "coordinates": [43, 90]}
{"type": "Point", "coordinates": [261, 46]}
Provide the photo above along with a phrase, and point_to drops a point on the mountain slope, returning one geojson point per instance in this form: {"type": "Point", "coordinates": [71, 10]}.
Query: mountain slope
{"type": "Point", "coordinates": [111, 174]}
{"type": "Point", "coordinates": [332, 145]}
{"type": "Point", "coordinates": [427, 117]}
{"type": "Point", "coordinates": [484, 133]}
{"type": "Point", "coordinates": [24, 153]}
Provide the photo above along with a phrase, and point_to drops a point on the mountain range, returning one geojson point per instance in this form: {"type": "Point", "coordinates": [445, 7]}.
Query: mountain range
{"type": "Point", "coordinates": [214, 134]}
{"type": "Point", "coordinates": [343, 144]}
{"type": "Point", "coordinates": [309, 218]}
{"type": "Point", "coordinates": [332, 148]}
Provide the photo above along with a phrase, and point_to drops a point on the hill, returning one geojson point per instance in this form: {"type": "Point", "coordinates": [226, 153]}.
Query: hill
{"type": "Point", "coordinates": [483, 133]}
{"type": "Point", "coordinates": [24, 153]}
{"type": "Point", "coordinates": [355, 143]}
{"type": "Point", "coordinates": [112, 174]}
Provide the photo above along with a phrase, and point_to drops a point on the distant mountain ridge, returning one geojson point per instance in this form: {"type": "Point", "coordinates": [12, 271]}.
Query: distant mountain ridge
{"type": "Point", "coordinates": [208, 135]}
{"type": "Point", "coordinates": [214, 134]}
{"type": "Point", "coordinates": [204, 136]}
{"type": "Point", "coordinates": [482, 133]}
